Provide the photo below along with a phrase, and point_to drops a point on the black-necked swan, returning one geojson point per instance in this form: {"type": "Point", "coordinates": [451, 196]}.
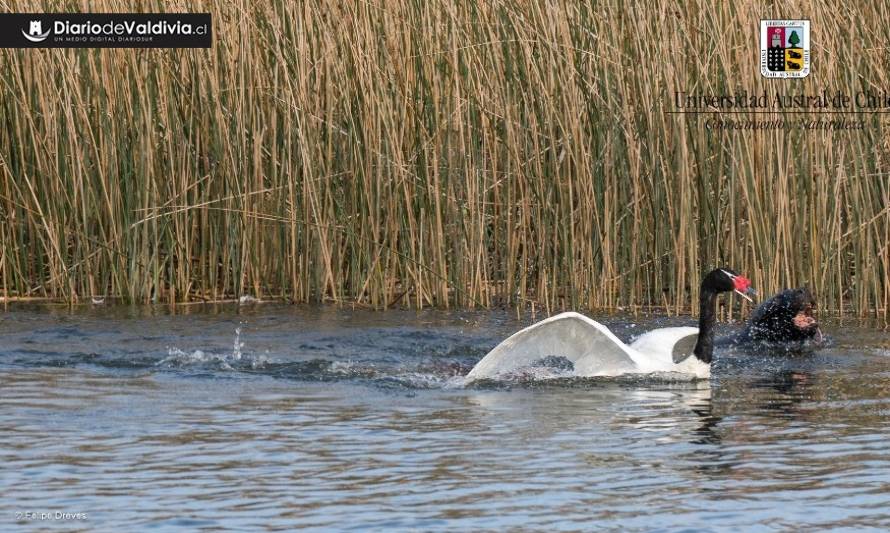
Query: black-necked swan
{"type": "Point", "coordinates": [595, 351]}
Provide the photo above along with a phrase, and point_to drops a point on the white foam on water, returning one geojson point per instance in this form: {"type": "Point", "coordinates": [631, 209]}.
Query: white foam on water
{"type": "Point", "coordinates": [180, 358]}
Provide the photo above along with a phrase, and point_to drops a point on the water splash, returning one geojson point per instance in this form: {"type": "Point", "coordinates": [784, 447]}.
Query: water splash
{"type": "Point", "coordinates": [236, 360]}
{"type": "Point", "coordinates": [237, 345]}
{"type": "Point", "coordinates": [177, 358]}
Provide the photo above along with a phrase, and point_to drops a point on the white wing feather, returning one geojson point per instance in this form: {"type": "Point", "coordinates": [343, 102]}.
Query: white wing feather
{"type": "Point", "coordinates": [592, 349]}
{"type": "Point", "coordinates": [590, 346]}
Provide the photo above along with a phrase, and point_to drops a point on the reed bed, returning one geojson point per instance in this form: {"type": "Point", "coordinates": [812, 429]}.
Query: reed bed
{"type": "Point", "coordinates": [440, 153]}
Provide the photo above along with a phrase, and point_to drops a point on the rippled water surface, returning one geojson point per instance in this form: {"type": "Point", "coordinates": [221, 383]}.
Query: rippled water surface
{"type": "Point", "coordinates": [275, 417]}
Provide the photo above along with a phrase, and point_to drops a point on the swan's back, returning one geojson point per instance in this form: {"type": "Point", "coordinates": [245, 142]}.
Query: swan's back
{"type": "Point", "coordinates": [668, 345]}
{"type": "Point", "coordinates": [590, 346]}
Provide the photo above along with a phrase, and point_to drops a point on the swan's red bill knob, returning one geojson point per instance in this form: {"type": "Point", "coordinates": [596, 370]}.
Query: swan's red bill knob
{"type": "Point", "coordinates": [742, 286]}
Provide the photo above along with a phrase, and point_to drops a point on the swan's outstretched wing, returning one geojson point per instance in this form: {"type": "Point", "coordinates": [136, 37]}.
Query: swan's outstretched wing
{"type": "Point", "coordinates": [589, 345]}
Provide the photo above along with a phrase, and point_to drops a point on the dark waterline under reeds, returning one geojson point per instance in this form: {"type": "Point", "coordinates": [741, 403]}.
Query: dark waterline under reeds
{"type": "Point", "coordinates": [440, 153]}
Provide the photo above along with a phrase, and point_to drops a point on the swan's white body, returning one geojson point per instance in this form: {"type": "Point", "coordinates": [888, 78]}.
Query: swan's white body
{"type": "Point", "coordinates": [594, 350]}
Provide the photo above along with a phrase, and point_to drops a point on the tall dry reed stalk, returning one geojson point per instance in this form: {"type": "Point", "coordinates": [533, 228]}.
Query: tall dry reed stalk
{"type": "Point", "coordinates": [438, 152]}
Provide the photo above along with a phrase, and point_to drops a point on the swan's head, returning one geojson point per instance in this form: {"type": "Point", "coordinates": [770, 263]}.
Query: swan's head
{"type": "Point", "coordinates": [726, 280]}
{"type": "Point", "coordinates": [716, 281]}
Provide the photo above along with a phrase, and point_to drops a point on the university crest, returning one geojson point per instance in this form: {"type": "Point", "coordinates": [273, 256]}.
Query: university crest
{"type": "Point", "coordinates": [785, 48]}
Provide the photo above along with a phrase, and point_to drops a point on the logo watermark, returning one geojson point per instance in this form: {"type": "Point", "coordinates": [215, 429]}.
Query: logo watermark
{"type": "Point", "coordinates": [105, 30]}
{"type": "Point", "coordinates": [785, 48]}
{"type": "Point", "coordinates": [35, 33]}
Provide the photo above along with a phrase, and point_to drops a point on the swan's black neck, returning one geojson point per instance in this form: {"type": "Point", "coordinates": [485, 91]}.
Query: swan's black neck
{"type": "Point", "coordinates": [704, 347]}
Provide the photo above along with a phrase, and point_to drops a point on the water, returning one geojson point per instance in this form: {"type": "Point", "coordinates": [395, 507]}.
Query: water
{"type": "Point", "coordinates": [275, 418]}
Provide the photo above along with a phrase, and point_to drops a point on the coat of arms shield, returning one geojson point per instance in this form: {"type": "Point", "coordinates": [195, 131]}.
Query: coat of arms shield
{"type": "Point", "coordinates": [785, 48]}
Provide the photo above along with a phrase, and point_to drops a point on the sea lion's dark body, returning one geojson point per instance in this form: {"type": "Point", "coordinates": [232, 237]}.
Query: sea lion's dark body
{"type": "Point", "coordinates": [786, 320]}
{"type": "Point", "coordinates": [774, 319]}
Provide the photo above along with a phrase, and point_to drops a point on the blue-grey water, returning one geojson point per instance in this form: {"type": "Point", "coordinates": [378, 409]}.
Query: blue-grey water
{"type": "Point", "coordinates": [269, 417]}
